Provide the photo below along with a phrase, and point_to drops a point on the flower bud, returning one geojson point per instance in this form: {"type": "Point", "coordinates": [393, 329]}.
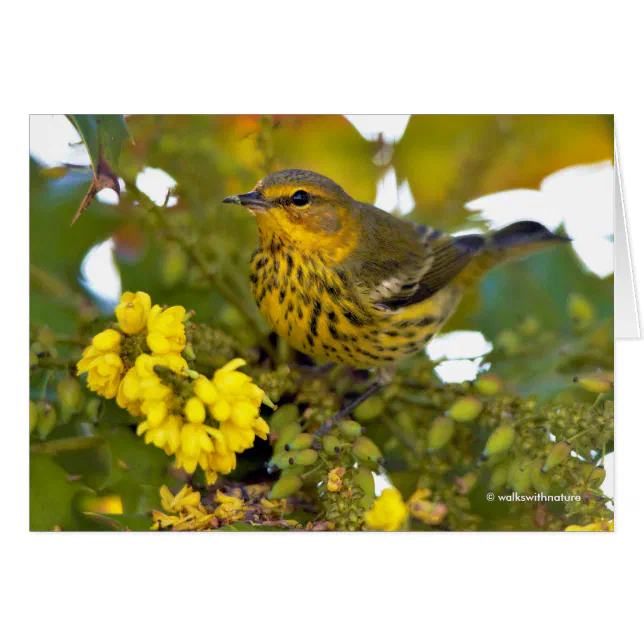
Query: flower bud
{"type": "Point", "coordinates": [194, 410]}
{"type": "Point", "coordinates": [369, 409]}
{"type": "Point", "coordinates": [364, 449]}
{"type": "Point", "coordinates": [305, 457]}
{"type": "Point", "coordinates": [206, 390]}
{"type": "Point", "coordinates": [500, 440]}
{"type": "Point", "coordinates": [489, 384]}
{"type": "Point", "coordinates": [284, 487]}
{"type": "Point", "coordinates": [303, 441]}
{"type": "Point", "coordinates": [350, 428]}
{"type": "Point", "coordinates": [558, 454]}
{"type": "Point", "coordinates": [440, 433]}
{"type": "Point", "coordinates": [465, 409]}
{"type": "Point", "coordinates": [46, 419]}
{"type": "Point", "coordinates": [108, 340]}
{"type": "Point", "coordinates": [331, 444]}
{"type": "Point", "coordinates": [599, 382]}
{"type": "Point", "coordinates": [132, 311]}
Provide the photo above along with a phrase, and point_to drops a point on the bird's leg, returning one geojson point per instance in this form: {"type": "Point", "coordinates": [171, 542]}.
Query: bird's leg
{"type": "Point", "coordinates": [369, 391]}
{"type": "Point", "coordinates": [383, 377]}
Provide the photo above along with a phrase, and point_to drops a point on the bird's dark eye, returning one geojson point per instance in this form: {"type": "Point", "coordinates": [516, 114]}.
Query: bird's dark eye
{"type": "Point", "coordinates": [301, 198]}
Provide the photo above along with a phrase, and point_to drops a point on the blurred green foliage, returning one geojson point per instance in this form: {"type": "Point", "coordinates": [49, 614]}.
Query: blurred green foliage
{"type": "Point", "coordinates": [89, 470]}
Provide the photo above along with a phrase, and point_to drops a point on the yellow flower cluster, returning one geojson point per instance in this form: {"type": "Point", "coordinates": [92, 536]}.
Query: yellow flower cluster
{"type": "Point", "coordinates": [599, 526]}
{"type": "Point", "coordinates": [218, 421]}
{"type": "Point", "coordinates": [388, 513]}
{"type": "Point", "coordinates": [202, 422]}
{"type": "Point", "coordinates": [164, 332]}
{"type": "Point", "coordinates": [102, 363]}
{"type": "Point", "coordinates": [186, 512]}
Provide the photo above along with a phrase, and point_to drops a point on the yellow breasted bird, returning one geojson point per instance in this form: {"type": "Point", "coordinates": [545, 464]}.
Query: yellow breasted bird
{"type": "Point", "coordinates": [346, 282]}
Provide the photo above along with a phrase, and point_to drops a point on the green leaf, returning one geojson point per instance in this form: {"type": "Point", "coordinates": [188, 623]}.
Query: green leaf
{"type": "Point", "coordinates": [121, 522]}
{"type": "Point", "coordinates": [103, 136]}
{"type": "Point", "coordinates": [51, 495]}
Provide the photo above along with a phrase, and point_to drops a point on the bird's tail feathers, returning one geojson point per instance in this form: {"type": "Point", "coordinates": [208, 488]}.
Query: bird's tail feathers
{"type": "Point", "coordinates": [512, 242]}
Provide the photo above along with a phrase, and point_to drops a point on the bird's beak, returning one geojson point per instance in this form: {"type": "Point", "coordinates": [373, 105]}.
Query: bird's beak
{"type": "Point", "coordinates": [252, 200]}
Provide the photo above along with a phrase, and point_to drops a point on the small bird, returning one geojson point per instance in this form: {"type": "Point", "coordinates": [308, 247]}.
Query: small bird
{"type": "Point", "coordinates": [346, 282]}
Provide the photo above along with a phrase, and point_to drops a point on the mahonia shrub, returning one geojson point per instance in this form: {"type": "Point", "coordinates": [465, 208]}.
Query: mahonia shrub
{"type": "Point", "coordinates": [176, 409]}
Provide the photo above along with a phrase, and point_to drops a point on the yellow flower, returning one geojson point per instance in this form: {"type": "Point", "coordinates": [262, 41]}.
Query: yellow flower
{"type": "Point", "coordinates": [132, 312]}
{"type": "Point", "coordinates": [599, 526]}
{"type": "Point", "coordinates": [334, 483]}
{"type": "Point", "coordinates": [128, 395]}
{"type": "Point", "coordinates": [166, 331]}
{"type": "Point", "coordinates": [194, 410]}
{"type": "Point", "coordinates": [424, 510]}
{"type": "Point", "coordinates": [230, 508]}
{"type": "Point", "coordinates": [220, 463]}
{"type": "Point", "coordinates": [102, 363]}
{"type": "Point", "coordinates": [166, 436]}
{"type": "Point", "coordinates": [185, 498]}
{"type": "Point", "coordinates": [388, 512]}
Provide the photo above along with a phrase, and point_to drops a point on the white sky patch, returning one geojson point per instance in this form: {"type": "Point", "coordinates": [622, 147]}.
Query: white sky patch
{"type": "Point", "coordinates": [392, 197]}
{"type": "Point", "coordinates": [381, 483]}
{"type": "Point", "coordinates": [52, 140]}
{"type": "Point", "coordinates": [156, 183]}
{"type": "Point", "coordinates": [100, 274]}
{"type": "Point", "coordinates": [463, 350]}
{"type": "Point", "coordinates": [579, 196]}
{"type": "Point", "coordinates": [458, 345]}
{"type": "Point", "coordinates": [458, 370]}
{"type": "Point", "coordinates": [391, 126]}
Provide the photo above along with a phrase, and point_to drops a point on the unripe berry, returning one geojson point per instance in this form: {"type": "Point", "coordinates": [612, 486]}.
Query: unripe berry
{"type": "Point", "coordinates": [465, 409]}
{"type": "Point", "coordinates": [286, 435]}
{"type": "Point", "coordinates": [599, 382]}
{"type": "Point", "coordinates": [558, 454]}
{"type": "Point", "coordinates": [500, 440]}
{"type": "Point", "coordinates": [305, 457]}
{"type": "Point", "coordinates": [364, 449]}
{"type": "Point", "coordinates": [440, 433]}
{"type": "Point", "coordinates": [331, 444]}
{"type": "Point", "coordinates": [350, 428]}
{"type": "Point", "coordinates": [301, 442]}
{"type": "Point", "coordinates": [285, 486]}
{"type": "Point", "coordinates": [46, 419]}
{"type": "Point", "coordinates": [369, 409]}
{"type": "Point", "coordinates": [489, 384]}
{"type": "Point", "coordinates": [69, 394]}
{"type": "Point", "coordinates": [285, 415]}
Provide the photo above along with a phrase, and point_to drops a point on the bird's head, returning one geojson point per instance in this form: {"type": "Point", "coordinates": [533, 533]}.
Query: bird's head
{"type": "Point", "coordinates": [302, 208]}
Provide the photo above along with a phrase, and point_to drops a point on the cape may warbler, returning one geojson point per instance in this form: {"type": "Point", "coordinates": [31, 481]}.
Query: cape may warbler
{"type": "Point", "coordinates": [346, 282]}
